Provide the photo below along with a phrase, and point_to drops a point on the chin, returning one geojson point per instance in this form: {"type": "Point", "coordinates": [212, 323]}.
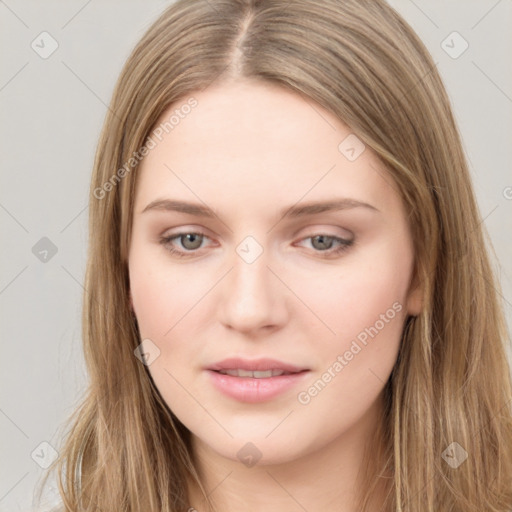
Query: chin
{"type": "Point", "coordinates": [260, 449]}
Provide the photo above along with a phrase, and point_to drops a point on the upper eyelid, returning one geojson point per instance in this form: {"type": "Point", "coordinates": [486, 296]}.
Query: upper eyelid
{"type": "Point", "coordinates": [174, 236]}
{"type": "Point", "coordinates": [316, 232]}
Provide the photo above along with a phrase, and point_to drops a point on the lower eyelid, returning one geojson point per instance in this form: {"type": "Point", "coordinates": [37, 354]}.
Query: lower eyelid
{"type": "Point", "coordinates": [342, 243]}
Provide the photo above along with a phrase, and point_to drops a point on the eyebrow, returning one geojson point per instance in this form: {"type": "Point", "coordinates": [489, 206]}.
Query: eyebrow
{"type": "Point", "coordinates": [297, 210]}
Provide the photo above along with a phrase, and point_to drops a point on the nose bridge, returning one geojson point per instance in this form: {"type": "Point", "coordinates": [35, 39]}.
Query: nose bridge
{"type": "Point", "coordinates": [250, 280]}
{"type": "Point", "coordinates": [251, 295]}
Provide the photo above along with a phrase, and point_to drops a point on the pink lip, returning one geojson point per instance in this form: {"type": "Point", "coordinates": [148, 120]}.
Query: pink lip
{"type": "Point", "coordinates": [236, 363]}
{"type": "Point", "coordinates": [252, 390]}
{"type": "Point", "coordinates": [249, 389]}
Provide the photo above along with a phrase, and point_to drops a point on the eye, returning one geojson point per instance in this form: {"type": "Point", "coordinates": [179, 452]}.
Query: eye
{"type": "Point", "coordinates": [329, 245]}
{"type": "Point", "coordinates": [189, 241]}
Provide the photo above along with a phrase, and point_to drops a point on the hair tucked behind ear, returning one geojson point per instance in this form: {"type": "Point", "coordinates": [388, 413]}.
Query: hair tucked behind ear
{"type": "Point", "coordinates": [125, 451]}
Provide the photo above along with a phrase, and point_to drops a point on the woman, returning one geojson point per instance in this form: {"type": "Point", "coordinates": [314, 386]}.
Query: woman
{"type": "Point", "coordinates": [288, 302]}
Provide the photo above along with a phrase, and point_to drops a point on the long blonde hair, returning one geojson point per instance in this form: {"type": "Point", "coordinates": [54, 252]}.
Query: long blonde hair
{"type": "Point", "coordinates": [125, 450]}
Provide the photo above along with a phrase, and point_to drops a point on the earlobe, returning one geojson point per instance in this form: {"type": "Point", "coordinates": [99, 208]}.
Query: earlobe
{"type": "Point", "coordinates": [414, 304]}
{"type": "Point", "coordinates": [415, 300]}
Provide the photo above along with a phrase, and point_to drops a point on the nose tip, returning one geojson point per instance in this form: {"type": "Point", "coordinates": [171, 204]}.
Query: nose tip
{"type": "Point", "coordinates": [251, 299]}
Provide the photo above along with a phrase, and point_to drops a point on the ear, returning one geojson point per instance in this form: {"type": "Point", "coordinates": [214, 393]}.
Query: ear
{"type": "Point", "coordinates": [415, 297]}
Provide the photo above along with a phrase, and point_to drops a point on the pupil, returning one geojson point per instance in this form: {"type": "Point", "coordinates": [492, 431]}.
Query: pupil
{"type": "Point", "coordinates": [324, 241]}
{"type": "Point", "coordinates": [192, 238]}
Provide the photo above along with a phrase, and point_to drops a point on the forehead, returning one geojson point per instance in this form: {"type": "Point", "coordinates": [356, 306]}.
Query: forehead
{"type": "Point", "coordinates": [253, 144]}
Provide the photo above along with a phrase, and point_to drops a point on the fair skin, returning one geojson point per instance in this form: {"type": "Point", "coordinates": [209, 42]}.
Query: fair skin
{"type": "Point", "coordinates": [247, 151]}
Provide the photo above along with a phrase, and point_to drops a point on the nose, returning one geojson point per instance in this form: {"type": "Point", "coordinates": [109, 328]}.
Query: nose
{"type": "Point", "coordinates": [253, 298]}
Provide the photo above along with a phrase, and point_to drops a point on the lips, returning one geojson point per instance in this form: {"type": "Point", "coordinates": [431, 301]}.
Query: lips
{"type": "Point", "coordinates": [262, 374]}
{"type": "Point", "coordinates": [257, 380]}
{"type": "Point", "coordinates": [256, 368]}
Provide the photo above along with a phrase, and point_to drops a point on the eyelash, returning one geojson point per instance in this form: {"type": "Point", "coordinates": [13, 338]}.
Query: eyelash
{"type": "Point", "coordinates": [166, 241]}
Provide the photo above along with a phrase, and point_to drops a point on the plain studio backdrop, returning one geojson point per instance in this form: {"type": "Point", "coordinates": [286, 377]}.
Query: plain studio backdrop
{"type": "Point", "coordinates": [58, 69]}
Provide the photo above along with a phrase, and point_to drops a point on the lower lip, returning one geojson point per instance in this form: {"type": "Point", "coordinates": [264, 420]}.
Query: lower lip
{"type": "Point", "coordinates": [249, 389]}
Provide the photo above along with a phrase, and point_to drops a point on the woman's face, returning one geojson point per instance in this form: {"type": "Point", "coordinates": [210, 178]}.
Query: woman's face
{"type": "Point", "coordinates": [264, 230]}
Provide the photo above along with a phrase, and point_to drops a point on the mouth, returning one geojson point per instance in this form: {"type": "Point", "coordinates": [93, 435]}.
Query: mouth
{"type": "Point", "coordinates": [261, 374]}
{"type": "Point", "coordinates": [263, 368]}
{"type": "Point", "coordinates": [255, 380]}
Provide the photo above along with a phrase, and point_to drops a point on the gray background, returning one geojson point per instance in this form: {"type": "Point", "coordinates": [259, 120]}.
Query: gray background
{"type": "Point", "coordinates": [53, 110]}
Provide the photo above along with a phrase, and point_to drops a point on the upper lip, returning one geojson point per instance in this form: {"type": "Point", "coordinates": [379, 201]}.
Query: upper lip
{"type": "Point", "coordinates": [236, 363]}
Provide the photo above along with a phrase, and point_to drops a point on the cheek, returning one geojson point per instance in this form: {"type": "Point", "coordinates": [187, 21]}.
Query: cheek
{"type": "Point", "coordinates": [368, 291]}
{"type": "Point", "coordinates": [161, 295]}
{"type": "Point", "coordinates": [164, 302]}
{"type": "Point", "coordinates": [173, 308]}
{"type": "Point", "coordinates": [366, 309]}
{"type": "Point", "coordinates": [365, 305]}
{"type": "Point", "coordinates": [373, 300]}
